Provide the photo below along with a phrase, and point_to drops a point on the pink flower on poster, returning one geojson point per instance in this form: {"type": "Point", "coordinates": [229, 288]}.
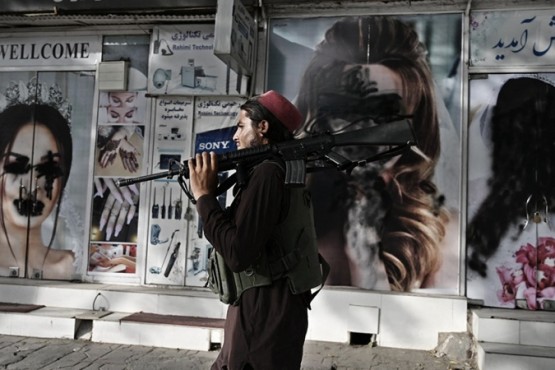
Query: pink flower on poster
{"type": "Point", "coordinates": [533, 281]}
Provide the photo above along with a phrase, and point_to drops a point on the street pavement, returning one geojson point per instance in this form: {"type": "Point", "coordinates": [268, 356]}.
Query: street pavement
{"type": "Point", "coordinates": [24, 353]}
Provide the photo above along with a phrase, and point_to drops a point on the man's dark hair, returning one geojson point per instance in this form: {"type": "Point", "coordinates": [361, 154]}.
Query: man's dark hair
{"type": "Point", "coordinates": [277, 132]}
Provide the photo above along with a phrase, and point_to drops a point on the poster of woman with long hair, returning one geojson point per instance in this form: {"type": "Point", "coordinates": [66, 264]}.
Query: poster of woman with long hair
{"type": "Point", "coordinates": [510, 235]}
{"type": "Point", "coordinates": [392, 224]}
{"type": "Point", "coordinates": [42, 224]}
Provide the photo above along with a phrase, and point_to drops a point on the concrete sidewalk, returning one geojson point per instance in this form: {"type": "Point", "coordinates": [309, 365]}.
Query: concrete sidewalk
{"type": "Point", "coordinates": [23, 353]}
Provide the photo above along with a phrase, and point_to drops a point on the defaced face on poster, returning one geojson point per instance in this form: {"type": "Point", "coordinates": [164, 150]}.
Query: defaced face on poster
{"type": "Point", "coordinates": [42, 228]}
{"type": "Point", "coordinates": [392, 225]}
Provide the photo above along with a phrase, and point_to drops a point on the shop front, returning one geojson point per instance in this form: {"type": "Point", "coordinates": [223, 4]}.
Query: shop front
{"type": "Point", "coordinates": [95, 204]}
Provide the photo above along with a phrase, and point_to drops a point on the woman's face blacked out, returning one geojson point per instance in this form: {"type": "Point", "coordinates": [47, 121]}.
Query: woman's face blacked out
{"type": "Point", "coordinates": [33, 194]}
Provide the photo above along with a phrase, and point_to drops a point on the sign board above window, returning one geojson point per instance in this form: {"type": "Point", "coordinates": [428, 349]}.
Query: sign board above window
{"type": "Point", "coordinates": [235, 36]}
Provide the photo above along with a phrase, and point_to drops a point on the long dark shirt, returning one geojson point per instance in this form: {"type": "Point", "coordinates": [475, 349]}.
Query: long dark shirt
{"type": "Point", "coordinates": [266, 330]}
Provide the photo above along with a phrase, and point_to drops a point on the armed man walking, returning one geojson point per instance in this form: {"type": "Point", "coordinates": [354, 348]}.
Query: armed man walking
{"type": "Point", "coordinates": [266, 259]}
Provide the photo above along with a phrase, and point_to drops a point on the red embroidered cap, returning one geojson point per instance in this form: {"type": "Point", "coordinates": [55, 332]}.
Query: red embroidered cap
{"type": "Point", "coordinates": [282, 109]}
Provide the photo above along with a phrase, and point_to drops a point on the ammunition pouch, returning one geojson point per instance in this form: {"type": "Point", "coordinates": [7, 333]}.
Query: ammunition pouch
{"type": "Point", "coordinates": [229, 285]}
{"type": "Point", "coordinates": [294, 257]}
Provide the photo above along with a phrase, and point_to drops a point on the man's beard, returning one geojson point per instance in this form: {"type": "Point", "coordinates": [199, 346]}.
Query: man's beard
{"type": "Point", "coordinates": [256, 141]}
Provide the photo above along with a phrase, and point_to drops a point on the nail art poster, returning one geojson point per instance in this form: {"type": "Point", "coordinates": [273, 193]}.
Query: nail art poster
{"type": "Point", "coordinates": [119, 154]}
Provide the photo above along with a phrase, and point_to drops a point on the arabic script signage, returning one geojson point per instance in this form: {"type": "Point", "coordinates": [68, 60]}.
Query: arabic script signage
{"type": "Point", "coordinates": [511, 38]}
{"type": "Point", "coordinates": [182, 62]}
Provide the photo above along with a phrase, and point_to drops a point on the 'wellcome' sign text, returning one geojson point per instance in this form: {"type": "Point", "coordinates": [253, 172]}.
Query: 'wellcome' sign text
{"type": "Point", "coordinates": [51, 51]}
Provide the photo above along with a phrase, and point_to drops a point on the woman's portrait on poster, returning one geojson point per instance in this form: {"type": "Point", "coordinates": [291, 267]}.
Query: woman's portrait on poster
{"type": "Point", "coordinates": [35, 163]}
{"type": "Point", "coordinates": [385, 225]}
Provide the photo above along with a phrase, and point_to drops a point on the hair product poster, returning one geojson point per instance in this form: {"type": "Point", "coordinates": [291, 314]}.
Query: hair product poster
{"type": "Point", "coordinates": [44, 134]}
{"type": "Point", "coordinates": [391, 225]}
